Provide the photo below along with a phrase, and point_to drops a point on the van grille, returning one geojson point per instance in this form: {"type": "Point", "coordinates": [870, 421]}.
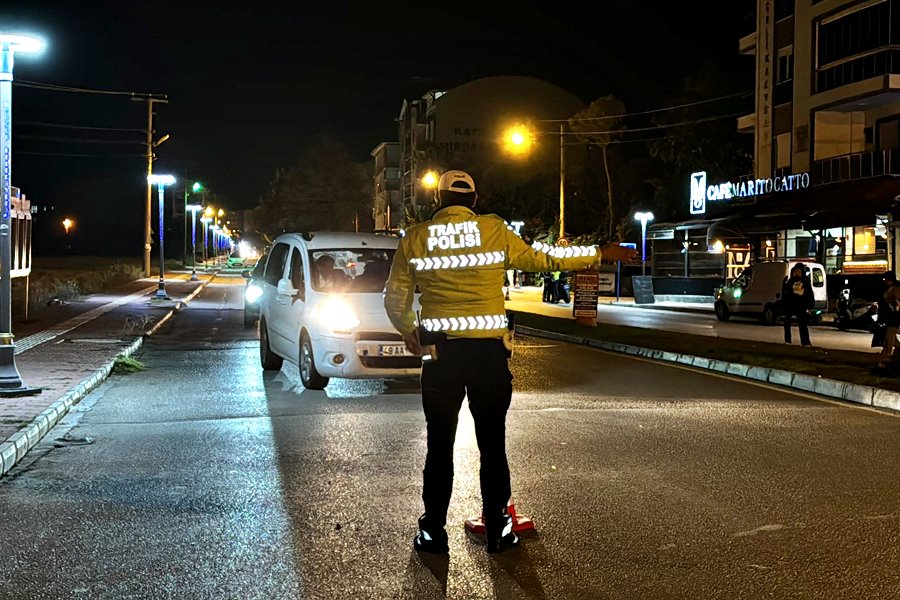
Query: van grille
{"type": "Point", "coordinates": [391, 362]}
{"type": "Point", "coordinates": [382, 336]}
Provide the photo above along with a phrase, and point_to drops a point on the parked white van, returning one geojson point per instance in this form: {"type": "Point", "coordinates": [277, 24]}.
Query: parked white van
{"type": "Point", "coordinates": [757, 290]}
{"type": "Point", "coordinates": [322, 308]}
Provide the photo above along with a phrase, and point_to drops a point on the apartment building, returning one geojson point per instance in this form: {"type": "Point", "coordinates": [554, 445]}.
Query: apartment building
{"type": "Point", "coordinates": [826, 129]}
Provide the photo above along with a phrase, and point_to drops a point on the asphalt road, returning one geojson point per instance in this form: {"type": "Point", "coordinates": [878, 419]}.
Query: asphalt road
{"type": "Point", "coordinates": [202, 478]}
{"type": "Point", "coordinates": [705, 324]}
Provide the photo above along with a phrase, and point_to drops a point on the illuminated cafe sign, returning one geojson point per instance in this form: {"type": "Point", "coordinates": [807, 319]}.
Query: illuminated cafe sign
{"type": "Point", "coordinates": [701, 192]}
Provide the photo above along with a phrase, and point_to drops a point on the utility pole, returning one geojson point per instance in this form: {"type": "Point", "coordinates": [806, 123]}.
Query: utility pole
{"type": "Point", "coordinates": [148, 205]}
{"type": "Point", "coordinates": [562, 183]}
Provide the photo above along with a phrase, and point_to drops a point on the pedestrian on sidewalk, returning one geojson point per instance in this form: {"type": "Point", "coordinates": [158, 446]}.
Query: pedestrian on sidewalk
{"type": "Point", "coordinates": [465, 344]}
{"type": "Point", "coordinates": [549, 287]}
{"type": "Point", "coordinates": [562, 288]}
{"type": "Point", "coordinates": [888, 319]}
{"type": "Point", "coordinates": [796, 300]}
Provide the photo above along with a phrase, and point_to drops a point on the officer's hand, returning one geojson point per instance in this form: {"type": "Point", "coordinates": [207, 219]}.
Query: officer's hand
{"type": "Point", "coordinates": [411, 340]}
{"type": "Point", "coordinates": [614, 252]}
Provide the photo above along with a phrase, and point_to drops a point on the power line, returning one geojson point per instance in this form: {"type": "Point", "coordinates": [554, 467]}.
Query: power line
{"type": "Point", "coordinates": [650, 112]}
{"type": "Point", "coordinates": [45, 138]}
{"type": "Point", "coordinates": [64, 88]}
{"type": "Point", "coordinates": [641, 129]}
{"type": "Point", "coordinates": [64, 154]}
{"type": "Point", "coordinates": [82, 127]}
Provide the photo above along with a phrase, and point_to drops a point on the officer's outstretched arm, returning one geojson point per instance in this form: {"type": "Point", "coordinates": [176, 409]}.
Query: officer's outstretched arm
{"type": "Point", "coordinates": [520, 255]}
{"type": "Point", "coordinates": [398, 295]}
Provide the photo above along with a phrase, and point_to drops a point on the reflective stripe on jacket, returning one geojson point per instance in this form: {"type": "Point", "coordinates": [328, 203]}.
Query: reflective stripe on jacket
{"type": "Point", "coordinates": [458, 260]}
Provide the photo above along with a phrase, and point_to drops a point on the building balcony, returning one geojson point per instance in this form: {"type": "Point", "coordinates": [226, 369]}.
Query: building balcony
{"type": "Point", "coordinates": [747, 123]}
{"type": "Point", "coordinates": [747, 44]}
{"type": "Point", "coordinates": [851, 167]}
{"type": "Point", "coordinates": [873, 64]}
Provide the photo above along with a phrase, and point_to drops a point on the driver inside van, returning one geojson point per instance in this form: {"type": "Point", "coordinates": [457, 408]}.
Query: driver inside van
{"type": "Point", "coordinates": [330, 278]}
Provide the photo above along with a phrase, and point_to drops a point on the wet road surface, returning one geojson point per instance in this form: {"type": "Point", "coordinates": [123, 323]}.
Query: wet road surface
{"type": "Point", "coordinates": [200, 477]}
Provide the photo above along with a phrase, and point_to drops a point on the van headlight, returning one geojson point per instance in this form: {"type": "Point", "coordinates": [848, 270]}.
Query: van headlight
{"type": "Point", "coordinates": [253, 293]}
{"type": "Point", "coordinates": [337, 315]}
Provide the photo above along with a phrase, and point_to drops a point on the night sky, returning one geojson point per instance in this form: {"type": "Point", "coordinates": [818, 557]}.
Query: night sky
{"type": "Point", "coordinates": [250, 83]}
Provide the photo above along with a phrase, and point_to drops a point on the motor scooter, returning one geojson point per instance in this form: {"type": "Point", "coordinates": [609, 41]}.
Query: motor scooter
{"type": "Point", "coordinates": [855, 313]}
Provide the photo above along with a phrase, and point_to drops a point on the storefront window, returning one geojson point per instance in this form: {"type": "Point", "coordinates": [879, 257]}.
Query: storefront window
{"type": "Point", "coordinates": [863, 240]}
{"type": "Point", "coordinates": [867, 249]}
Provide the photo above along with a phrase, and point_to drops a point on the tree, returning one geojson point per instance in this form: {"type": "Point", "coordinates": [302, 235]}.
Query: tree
{"type": "Point", "coordinates": [701, 136]}
{"type": "Point", "coordinates": [325, 189]}
{"type": "Point", "coordinates": [600, 124]}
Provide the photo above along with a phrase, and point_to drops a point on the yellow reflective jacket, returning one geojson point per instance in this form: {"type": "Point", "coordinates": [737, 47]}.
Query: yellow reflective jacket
{"type": "Point", "coordinates": [458, 261]}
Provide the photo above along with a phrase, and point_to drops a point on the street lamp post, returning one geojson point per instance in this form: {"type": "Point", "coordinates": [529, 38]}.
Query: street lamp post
{"type": "Point", "coordinates": [194, 209]}
{"type": "Point", "coordinates": [518, 141]}
{"type": "Point", "coordinates": [161, 182]}
{"type": "Point", "coordinates": [11, 383]}
{"type": "Point", "coordinates": [204, 221]}
{"type": "Point", "coordinates": [644, 218]}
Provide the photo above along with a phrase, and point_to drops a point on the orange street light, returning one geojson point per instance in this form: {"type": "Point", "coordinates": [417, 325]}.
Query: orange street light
{"type": "Point", "coordinates": [518, 140]}
{"type": "Point", "coordinates": [429, 180]}
{"type": "Point", "coordinates": [67, 224]}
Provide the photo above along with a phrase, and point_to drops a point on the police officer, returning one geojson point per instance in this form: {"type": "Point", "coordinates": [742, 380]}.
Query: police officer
{"type": "Point", "coordinates": [458, 261]}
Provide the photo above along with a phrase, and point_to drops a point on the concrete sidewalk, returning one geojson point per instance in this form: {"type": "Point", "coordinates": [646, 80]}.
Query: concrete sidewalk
{"type": "Point", "coordinates": [75, 353]}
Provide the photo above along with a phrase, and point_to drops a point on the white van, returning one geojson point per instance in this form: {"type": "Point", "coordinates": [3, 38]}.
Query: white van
{"type": "Point", "coordinates": [757, 290]}
{"type": "Point", "coordinates": [322, 308]}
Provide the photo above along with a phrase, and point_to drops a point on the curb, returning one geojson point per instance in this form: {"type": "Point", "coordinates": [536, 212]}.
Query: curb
{"type": "Point", "coordinates": [14, 449]}
{"type": "Point", "coordinates": [832, 388]}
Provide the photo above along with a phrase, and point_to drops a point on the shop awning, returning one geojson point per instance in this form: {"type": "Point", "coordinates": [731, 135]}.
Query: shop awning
{"type": "Point", "coordinates": [843, 204]}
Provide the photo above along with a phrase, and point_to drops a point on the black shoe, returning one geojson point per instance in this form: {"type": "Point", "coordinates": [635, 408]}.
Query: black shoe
{"type": "Point", "coordinates": [431, 539]}
{"type": "Point", "coordinates": [500, 536]}
{"type": "Point", "coordinates": [507, 542]}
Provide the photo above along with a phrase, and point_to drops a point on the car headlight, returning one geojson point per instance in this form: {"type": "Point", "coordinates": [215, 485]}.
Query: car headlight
{"type": "Point", "coordinates": [337, 315]}
{"type": "Point", "coordinates": [253, 293]}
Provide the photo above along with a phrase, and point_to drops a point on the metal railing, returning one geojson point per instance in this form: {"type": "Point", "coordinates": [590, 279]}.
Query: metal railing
{"type": "Point", "coordinates": [862, 165]}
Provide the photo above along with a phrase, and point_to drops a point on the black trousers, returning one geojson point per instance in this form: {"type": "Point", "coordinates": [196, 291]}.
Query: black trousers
{"type": "Point", "coordinates": [802, 325]}
{"type": "Point", "coordinates": [479, 369]}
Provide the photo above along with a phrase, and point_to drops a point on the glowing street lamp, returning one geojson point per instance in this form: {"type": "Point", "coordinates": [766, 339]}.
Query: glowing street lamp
{"type": "Point", "coordinates": [429, 180]}
{"type": "Point", "coordinates": [518, 140]}
{"type": "Point", "coordinates": [644, 218]}
{"type": "Point", "coordinates": [161, 182]}
{"type": "Point", "coordinates": [11, 383]}
{"type": "Point", "coordinates": [67, 224]}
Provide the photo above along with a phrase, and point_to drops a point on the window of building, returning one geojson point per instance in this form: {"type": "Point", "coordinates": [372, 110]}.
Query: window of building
{"type": "Point", "coordinates": [783, 9]}
{"type": "Point", "coordinates": [863, 240]}
{"type": "Point", "coordinates": [785, 68]}
{"type": "Point", "coordinates": [888, 133]}
{"type": "Point", "coordinates": [857, 45]}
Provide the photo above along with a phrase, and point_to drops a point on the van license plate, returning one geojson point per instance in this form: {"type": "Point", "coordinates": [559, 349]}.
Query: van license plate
{"type": "Point", "coordinates": [394, 350]}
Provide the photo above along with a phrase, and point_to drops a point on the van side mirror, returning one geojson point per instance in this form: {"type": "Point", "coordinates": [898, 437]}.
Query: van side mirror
{"type": "Point", "coordinates": [245, 274]}
{"type": "Point", "coordinates": [286, 288]}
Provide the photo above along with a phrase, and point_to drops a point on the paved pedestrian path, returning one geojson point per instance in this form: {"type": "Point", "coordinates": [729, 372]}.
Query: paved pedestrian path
{"type": "Point", "coordinates": [71, 356]}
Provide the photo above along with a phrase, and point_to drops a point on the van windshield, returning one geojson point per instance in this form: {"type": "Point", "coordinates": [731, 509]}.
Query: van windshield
{"type": "Point", "coordinates": [356, 271]}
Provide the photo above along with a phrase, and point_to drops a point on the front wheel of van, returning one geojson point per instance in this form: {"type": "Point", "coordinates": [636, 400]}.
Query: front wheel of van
{"type": "Point", "coordinates": [722, 311]}
{"type": "Point", "coordinates": [769, 315]}
{"type": "Point", "coordinates": [309, 376]}
{"type": "Point", "coordinates": [267, 359]}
